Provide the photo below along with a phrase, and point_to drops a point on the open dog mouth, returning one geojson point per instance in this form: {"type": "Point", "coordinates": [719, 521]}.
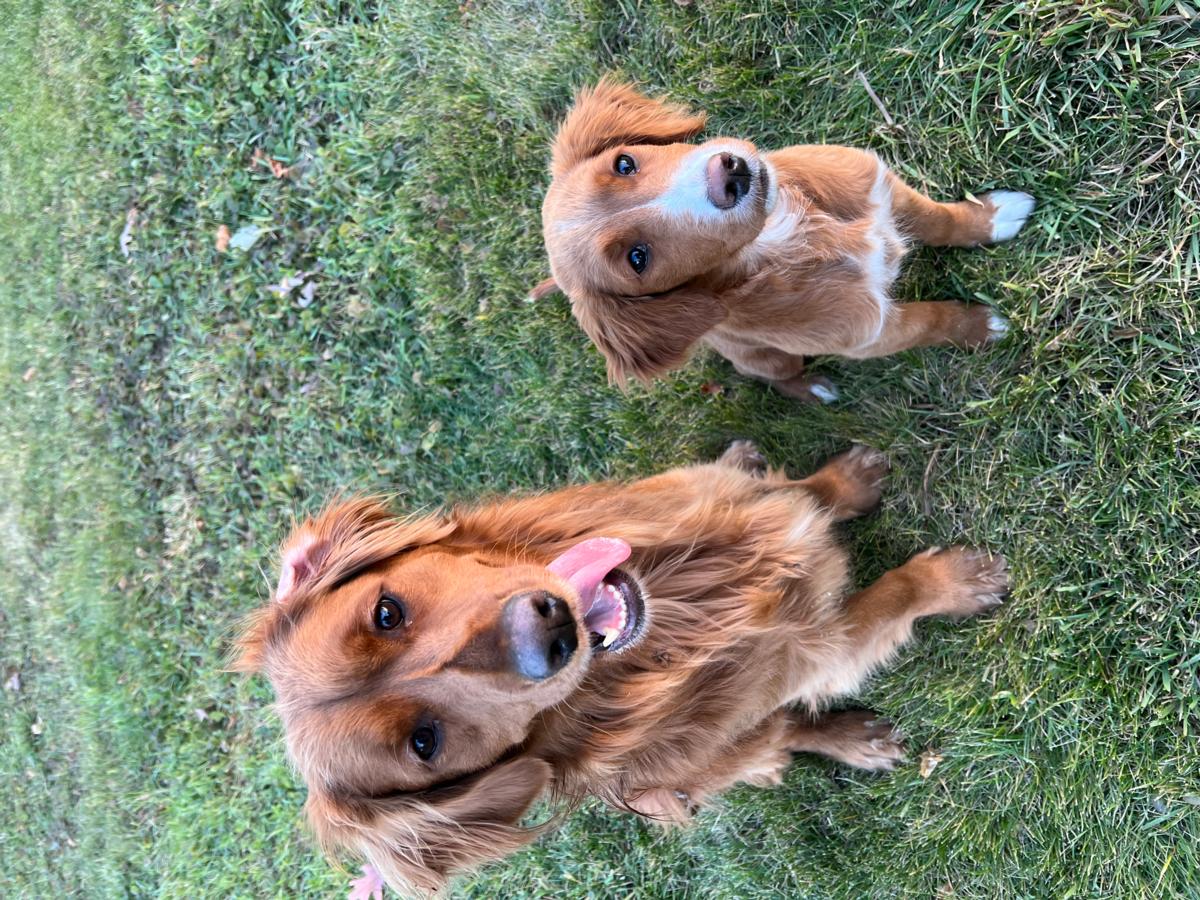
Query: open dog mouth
{"type": "Point", "coordinates": [615, 618]}
{"type": "Point", "coordinates": [614, 609]}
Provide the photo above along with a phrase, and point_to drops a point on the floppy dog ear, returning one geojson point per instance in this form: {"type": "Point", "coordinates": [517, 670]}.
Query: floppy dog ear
{"type": "Point", "coordinates": [347, 536]}
{"type": "Point", "coordinates": [614, 113]}
{"type": "Point", "coordinates": [302, 559]}
{"type": "Point", "coordinates": [643, 337]}
{"type": "Point", "coordinates": [416, 842]}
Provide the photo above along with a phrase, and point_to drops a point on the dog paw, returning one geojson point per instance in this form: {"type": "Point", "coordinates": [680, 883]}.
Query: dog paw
{"type": "Point", "coordinates": [866, 466]}
{"type": "Point", "coordinates": [854, 480]}
{"type": "Point", "coordinates": [963, 581]}
{"type": "Point", "coordinates": [860, 738]}
{"type": "Point", "coordinates": [744, 455]}
{"type": "Point", "coordinates": [983, 326]}
{"type": "Point", "coordinates": [808, 389]}
{"type": "Point", "coordinates": [997, 327]}
{"type": "Point", "coordinates": [1010, 209]}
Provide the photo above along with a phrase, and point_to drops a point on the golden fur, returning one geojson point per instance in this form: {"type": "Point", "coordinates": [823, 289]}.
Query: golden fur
{"type": "Point", "coordinates": [751, 630]}
{"type": "Point", "coordinates": [802, 265]}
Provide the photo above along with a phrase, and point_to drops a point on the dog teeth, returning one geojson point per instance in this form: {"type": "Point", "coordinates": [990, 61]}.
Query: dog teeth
{"type": "Point", "coordinates": [610, 635]}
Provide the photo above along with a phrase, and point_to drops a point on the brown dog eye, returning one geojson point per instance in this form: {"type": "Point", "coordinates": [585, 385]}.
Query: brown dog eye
{"type": "Point", "coordinates": [639, 256]}
{"type": "Point", "coordinates": [425, 741]}
{"type": "Point", "coordinates": [625, 165]}
{"type": "Point", "coordinates": [389, 613]}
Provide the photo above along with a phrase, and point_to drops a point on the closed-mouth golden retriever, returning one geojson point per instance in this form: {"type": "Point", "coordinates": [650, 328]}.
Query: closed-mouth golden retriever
{"type": "Point", "coordinates": [650, 644]}
{"type": "Point", "coordinates": [766, 257]}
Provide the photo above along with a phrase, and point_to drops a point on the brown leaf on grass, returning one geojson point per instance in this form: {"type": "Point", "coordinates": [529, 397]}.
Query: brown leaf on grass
{"type": "Point", "coordinates": [712, 388]}
{"type": "Point", "coordinates": [278, 169]}
{"type": "Point", "coordinates": [222, 241]}
{"type": "Point", "coordinates": [929, 762]}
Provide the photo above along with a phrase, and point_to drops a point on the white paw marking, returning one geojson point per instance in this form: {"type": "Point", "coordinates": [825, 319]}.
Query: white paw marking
{"type": "Point", "coordinates": [997, 326]}
{"type": "Point", "coordinates": [1012, 209]}
{"type": "Point", "coordinates": [826, 394]}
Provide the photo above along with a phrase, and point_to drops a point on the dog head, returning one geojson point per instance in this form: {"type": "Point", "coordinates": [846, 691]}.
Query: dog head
{"type": "Point", "coordinates": [634, 216]}
{"type": "Point", "coordinates": [410, 666]}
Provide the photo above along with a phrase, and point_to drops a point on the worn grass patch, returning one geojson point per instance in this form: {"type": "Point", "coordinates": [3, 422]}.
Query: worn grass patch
{"type": "Point", "coordinates": [165, 414]}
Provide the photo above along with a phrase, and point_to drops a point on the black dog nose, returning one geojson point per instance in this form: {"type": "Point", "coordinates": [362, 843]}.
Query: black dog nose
{"type": "Point", "coordinates": [540, 632]}
{"type": "Point", "coordinates": [728, 180]}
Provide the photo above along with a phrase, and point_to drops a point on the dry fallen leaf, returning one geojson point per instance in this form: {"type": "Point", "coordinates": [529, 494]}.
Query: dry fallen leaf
{"type": "Point", "coordinates": [929, 762]}
{"type": "Point", "coordinates": [278, 169]}
{"type": "Point", "coordinates": [355, 308]}
{"type": "Point", "coordinates": [712, 388]}
{"type": "Point", "coordinates": [126, 238]}
{"type": "Point", "coordinates": [245, 237]}
{"type": "Point", "coordinates": [290, 283]}
{"type": "Point", "coordinates": [287, 285]}
{"type": "Point", "coordinates": [223, 238]}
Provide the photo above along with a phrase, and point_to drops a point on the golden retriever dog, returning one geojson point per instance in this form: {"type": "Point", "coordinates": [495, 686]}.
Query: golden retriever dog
{"type": "Point", "coordinates": [650, 644]}
{"type": "Point", "coordinates": [766, 257]}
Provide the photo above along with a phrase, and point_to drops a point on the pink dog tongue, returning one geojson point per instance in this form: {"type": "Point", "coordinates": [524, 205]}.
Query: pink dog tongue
{"type": "Point", "coordinates": [585, 565]}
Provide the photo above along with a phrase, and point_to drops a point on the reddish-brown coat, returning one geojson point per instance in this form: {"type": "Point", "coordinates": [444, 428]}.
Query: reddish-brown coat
{"type": "Point", "coordinates": [752, 631]}
{"type": "Point", "coordinates": [800, 269]}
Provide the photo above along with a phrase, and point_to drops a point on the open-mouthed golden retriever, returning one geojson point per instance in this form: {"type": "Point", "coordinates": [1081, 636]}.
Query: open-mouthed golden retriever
{"type": "Point", "coordinates": [765, 257]}
{"type": "Point", "coordinates": [650, 644]}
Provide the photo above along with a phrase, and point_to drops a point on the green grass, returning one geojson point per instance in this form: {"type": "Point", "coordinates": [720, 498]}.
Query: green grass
{"type": "Point", "coordinates": [178, 414]}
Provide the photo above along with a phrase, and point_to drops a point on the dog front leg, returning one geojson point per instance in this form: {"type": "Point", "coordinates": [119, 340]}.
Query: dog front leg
{"type": "Point", "coordinates": [942, 323]}
{"type": "Point", "coordinates": [955, 581]}
{"type": "Point", "coordinates": [992, 218]}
